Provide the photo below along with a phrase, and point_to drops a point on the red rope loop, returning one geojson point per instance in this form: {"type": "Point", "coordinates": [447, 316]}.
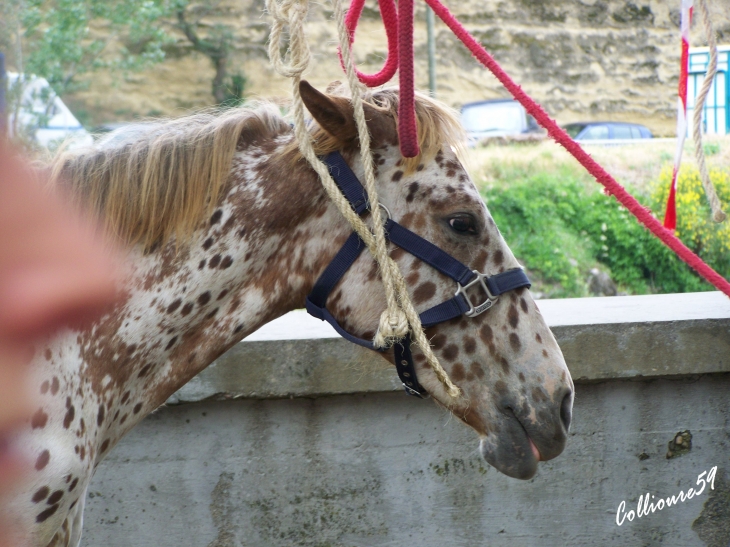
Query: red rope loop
{"type": "Point", "coordinates": [390, 19]}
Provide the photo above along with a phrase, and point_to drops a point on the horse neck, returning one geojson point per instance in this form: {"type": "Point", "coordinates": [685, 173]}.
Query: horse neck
{"type": "Point", "coordinates": [253, 260]}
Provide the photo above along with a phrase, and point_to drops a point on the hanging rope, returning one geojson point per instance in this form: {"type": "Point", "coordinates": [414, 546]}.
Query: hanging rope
{"type": "Point", "coordinates": [717, 213]}
{"type": "Point", "coordinates": [400, 315]}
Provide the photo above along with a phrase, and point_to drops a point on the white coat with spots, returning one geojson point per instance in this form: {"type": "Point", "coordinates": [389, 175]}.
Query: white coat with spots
{"type": "Point", "coordinates": [256, 257]}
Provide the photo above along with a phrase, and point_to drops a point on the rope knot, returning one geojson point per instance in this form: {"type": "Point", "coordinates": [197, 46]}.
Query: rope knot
{"type": "Point", "coordinates": [393, 327]}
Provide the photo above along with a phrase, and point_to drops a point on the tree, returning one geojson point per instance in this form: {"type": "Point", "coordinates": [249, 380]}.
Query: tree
{"type": "Point", "coordinates": [216, 44]}
{"type": "Point", "coordinates": [53, 39]}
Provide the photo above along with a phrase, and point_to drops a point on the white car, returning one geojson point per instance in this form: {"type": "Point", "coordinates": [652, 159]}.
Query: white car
{"type": "Point", "coordinates": [496, 118]}
{"type": "Point", "coordinates": [42, 113]}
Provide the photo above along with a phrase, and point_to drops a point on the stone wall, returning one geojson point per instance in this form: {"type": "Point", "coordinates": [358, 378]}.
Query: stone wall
{"type": "Point", "coordinates": [582, 59]}
{"type": "Point", "coordinates": [307, 442]}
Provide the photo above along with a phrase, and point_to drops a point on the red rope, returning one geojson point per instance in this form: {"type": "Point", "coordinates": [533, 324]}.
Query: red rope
{"type": "Point", "coordinates": [390, 19]}
{"type": "Point", "coordinates": [613, 188]}
{"type": "Point", "coordinates": [407, 129]}
{"type": "Point", "coordinates": [399, 33]}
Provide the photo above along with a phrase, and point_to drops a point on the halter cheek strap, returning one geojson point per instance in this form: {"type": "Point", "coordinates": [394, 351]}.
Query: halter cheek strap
{"type": "Point", "coordinates": [465, 278]}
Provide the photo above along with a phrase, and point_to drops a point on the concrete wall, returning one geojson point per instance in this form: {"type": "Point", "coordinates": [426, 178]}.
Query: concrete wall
{"type": "Point", "coordinates": [308, 442]}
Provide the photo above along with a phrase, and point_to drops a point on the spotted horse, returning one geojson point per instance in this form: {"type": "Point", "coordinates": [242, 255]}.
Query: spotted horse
{"type": "Point", "coordinates": [228, 228]}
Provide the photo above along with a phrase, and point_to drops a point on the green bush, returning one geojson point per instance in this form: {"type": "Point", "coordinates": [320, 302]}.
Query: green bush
{"type": "Point", "coordinates": [560, 230]}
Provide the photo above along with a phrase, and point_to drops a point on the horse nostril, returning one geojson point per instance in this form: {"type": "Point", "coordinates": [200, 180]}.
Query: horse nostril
{"type": "Point", "coordinates": [566, 410]}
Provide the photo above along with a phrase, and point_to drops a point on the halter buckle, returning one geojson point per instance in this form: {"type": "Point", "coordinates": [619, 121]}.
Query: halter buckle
{"type": "Point", "coordinates": [414, 393]}
{"type": "Point", "coordinates": [484, 306]}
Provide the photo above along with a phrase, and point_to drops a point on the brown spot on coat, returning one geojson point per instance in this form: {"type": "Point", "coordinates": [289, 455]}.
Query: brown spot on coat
{"type": "Point", "coordinates": [43, 459]}
{"type": "Point", "coordinates": [69, 417]}
{"type": "Point", "coordinates": [498, 257]}
{"type": "Point", "coordinates": [424, 292]}
{"type": "Point", "coordinates": [208, 243]}
{"type": "Point", "coordinates": [451, 352]}
{"type": "Point", "coordinates": [45, 515]}
{"type": "Point", "coordinates": [226, 262]}
{"type": "Point", "coordinates": [187, 308]}
{"type": "Point", "coordinates": [55, 497]}
{"type": "Point", "coordinates": [470, 345]}
{"type": "Point", "coordinates": [104, 446]}
{"type": "Point", "coordinates": [457, 372]}
{"type": "Point", "coordinates": [513, 316]}
{"type": "Point", "coordinates": [539, 395]}
{"type": "Point", "coordinates": [171, 343]}
{"type": "Point", "coordinates": [55, 385]}
{"type": "Point", "coordinates": [514, 341]}
{"type": "Point", "coordinates": [523, 304]}
{"type": "Point", "coordinates": [47, 354]}
{"type": "Point", "coordinates": [44, 387]}
{"type": "Point", "coordinates": [486, 334]}
{"type": "Point", "coordinates": [438, 341]}
{"type": "Point", "coordinates": [544, 353]}
{"type": "Point", "coordinates": [202, 264]}
{"type": "Point", "coordinates": [41, 494]}
{"type": "Point", "coordinates": [538, 338]}
{"type": "Point", "coordinates": [397, 176]}
{"type": "Point", "coordinates": [216, 217]}
{"type": "Point", "coordinates": [214, 262]}
{"type": "Point", "coordinates": [212, 314]}
{"type": "Point", "coordinates": [175, 305]}
{"type": "Point", "coordinates": [476, 369]}
{"type": "Point", "coordinates": [137, 408]}
{"type": "Point", "coordinates": [73, 484]}
{"type": "Point", "coordinates": [412, 190]}
{"type": "Point", "coordinates": [204, 298]}
{"type": "Point", "coordinates": [100, 415]}
{"type": "Point", "coordinates": [39, 419]}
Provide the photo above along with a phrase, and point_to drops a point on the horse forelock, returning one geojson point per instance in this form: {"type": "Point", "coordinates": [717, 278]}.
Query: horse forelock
{"type": "Point", "coordinates": [159, 179]}
{"type": "Point", "coordinates": [438, 125]}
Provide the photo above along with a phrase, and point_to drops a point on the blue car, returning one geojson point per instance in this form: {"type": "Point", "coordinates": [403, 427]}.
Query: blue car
{"type": "Point", "coordinates": [604, 131]}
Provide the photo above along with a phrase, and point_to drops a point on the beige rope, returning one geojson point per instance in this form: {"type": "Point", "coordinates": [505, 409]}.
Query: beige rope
{"type": "Point", "coordinates": [400, 313]}
{"type": "Point", "coordinates": [717, 213]}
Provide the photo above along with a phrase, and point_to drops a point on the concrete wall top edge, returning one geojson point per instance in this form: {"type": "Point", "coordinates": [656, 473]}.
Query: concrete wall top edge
{"type": "Point", "coordinates": [601, 339]}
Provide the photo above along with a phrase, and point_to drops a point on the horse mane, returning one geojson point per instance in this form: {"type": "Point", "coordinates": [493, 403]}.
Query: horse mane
{"type": "Point", "coordinates": [159, 179]}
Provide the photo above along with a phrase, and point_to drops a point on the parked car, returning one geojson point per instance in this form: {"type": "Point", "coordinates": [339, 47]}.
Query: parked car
{"type": "Point", "coordinates": [591, 131]}
{"type": "Point", "coordinates": [496, 118]}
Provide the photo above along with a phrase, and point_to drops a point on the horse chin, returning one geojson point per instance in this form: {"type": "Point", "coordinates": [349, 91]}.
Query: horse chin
{"type": "Point", "coordinates": [512, 453]}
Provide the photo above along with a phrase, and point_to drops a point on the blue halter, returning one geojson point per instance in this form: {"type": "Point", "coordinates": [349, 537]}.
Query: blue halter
{"type": "Point", "coordinates": [465, 278]}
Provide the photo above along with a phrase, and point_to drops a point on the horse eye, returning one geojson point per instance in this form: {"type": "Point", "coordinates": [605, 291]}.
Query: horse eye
{"type": "Point", "coordinates": [463, 224]}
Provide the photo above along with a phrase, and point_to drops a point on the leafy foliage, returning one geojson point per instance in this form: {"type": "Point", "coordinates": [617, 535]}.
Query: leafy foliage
{"type": "Point", "coordinates": [560, 230]}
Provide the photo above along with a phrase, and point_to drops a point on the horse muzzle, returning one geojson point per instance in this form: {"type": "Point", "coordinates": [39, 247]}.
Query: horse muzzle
{"type": "Point", "coordinates": [524, 435]}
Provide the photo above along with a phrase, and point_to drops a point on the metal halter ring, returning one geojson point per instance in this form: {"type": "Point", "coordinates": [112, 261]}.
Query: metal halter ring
{"type": "Point", "coordinates": [484, 306]}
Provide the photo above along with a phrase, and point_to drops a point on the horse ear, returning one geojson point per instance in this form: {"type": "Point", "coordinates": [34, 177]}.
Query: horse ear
{"type": "Point", "coordinates": [334, 114]}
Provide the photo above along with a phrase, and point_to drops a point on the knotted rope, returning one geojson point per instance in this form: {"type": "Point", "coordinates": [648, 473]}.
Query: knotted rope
{"type": "Point", "coordinates": [717, 213]}
{"type": "Point", "coordinates": [400, 315]}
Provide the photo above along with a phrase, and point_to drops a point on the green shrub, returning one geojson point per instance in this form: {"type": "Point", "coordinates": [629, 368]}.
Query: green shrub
{"type": "Point", "coordinates": [560, 230]}
{"type": "Point", "coordinates": [695, 227]}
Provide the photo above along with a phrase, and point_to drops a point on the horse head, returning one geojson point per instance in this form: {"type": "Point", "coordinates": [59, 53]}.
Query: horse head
{"type": "Point", "coordinates": [517, 393]}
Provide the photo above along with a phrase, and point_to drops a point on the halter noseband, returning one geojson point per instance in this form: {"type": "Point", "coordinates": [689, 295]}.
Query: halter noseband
{"type": "Point", "coordinates": [424, 250]}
